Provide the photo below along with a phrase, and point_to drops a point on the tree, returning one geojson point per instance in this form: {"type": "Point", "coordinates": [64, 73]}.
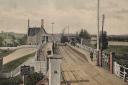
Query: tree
{"type": "Point", "coordinates": [1, 41]}
{"type": "Point", "coordinates": [11, 81]}
{"type": "Point", "coordinates": [23, 40]}
{"type": "Point", "coordinates": [77, 37]}
{"type": "Point", "coordinates": [84, 34]}
{"type": "Point", "coordinates": [13, 39]}
{"type": "Point", "coordinates": [103, 40]}
{"type": "Point", "coordinates": [64, 39]}
{"type": "Point", "coordinates": [34, 78]}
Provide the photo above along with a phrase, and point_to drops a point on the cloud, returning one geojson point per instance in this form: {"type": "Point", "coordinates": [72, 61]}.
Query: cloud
{"type": "Point", "coordinates": [75, 13]}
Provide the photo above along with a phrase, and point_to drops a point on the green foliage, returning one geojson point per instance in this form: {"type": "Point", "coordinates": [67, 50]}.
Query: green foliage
{"type": "Point", "coordinates": [15, 39]}
{"type": "Point", "coordinates": [122, 62]}
{"type": "Point", "coordinates": [84, 34]}
{"type": "Point", "coordinates": [120, 52]}
{"type": "Point", "coordinates": [103, 40]}
{"type": "Point", "coordinates": [34, 78]}
{"type": "Point", "coordinates": [11, 81]}
{"type": "Point", "coordinates": [31, 79]}
{"type": "Point", "coordinates": [64, 39]}
{"type": "Point", "coordinates": [23, 40]}
{"type": "Point", "coordinates": [1, 40]}
{"type": "Point", "coordinates": [4, 53]}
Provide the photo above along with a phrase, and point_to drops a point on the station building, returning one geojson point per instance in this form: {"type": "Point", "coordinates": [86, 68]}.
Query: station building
{"type": "Point", "coordinates": [36, 35]}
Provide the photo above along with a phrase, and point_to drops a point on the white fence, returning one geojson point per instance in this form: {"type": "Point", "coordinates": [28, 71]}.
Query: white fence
{"type": "Point", "coordinates": [87, 48]}
{"type": "Point", "coordinates": [121, 71]}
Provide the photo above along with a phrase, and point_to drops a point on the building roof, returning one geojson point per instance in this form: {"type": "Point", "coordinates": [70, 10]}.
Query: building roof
{"type": "Point", "coordinates": [32, 31]}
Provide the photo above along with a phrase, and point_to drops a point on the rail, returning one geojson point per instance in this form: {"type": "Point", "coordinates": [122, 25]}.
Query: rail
{"type": "Point", "coordinates": [87, 48]}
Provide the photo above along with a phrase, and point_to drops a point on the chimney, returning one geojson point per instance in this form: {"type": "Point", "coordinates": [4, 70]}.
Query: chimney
{"type": "Point", "coordinates": [42, 23]}
{"type": "Point", "coordinates": [28, 23]}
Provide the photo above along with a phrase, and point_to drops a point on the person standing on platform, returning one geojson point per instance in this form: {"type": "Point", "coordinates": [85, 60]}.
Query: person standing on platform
{"type": "Point", "coordinates": [91, 55]}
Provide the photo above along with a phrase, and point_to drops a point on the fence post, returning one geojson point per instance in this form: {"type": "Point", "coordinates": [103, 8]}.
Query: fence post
{"type": "Point", "coordinates": [97, 58]}
{"type": "Point", "coordinates": [124, 77]}
{"type": "Point", "coordinates": [100, 58]}
{"type": "Point", "coordinates": [111, 62]}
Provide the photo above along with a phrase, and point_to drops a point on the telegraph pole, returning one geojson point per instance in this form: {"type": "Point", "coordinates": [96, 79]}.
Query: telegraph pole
{"type": "Point", "coordinates": [98, 27]}
{"type": "Point", "coordinates": [103, 18]}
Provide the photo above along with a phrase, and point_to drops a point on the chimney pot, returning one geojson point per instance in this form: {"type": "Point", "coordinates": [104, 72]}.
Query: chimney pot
{"type": "Point", "coordinates": [42, 23]}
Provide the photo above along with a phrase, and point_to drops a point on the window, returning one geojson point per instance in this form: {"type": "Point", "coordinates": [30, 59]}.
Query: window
{"type": "Point", "coordinates": [55, 72]}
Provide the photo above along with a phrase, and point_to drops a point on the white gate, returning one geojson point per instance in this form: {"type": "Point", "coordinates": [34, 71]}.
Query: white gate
{"type": "Point", "coordinates": [121, 71]}
{"type": "Point", "coordinates": [116, 69]}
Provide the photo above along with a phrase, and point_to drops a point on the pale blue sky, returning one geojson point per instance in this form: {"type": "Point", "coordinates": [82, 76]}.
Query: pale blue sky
{"type": "Point", "coordinates": [77, 13]}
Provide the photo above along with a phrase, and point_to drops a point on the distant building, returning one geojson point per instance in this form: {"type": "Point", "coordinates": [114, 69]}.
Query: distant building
{"type": "Point", "coordinates": [93, 39]}
{"type": "Point", "coordinates": [36, 35]}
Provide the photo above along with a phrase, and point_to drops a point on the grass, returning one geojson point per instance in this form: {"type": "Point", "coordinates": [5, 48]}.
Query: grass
{"type": "Point", "coordinates": [119, 50]}
{"type": "Point", "coordinates": [121, 53]}
{"type": "Point", "coordinates": [11, 81]}
{"type": "Point", "coordinates": [31, 79]}
{"type": "Point", "coordinates": [12, 65]}
{"type": "Point", "coordinates": [91, 45]}
{"type": "Point", "coordinates": [4, 53]}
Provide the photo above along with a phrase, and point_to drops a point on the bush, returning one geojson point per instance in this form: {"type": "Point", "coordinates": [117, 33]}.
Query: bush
{"type": "Point", "coordinates": [11, 81]}
{"type": "Point", "coordinates": [34, 78]}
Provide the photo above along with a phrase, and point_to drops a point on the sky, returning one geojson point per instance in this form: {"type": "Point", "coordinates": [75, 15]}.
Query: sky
{"type": "Point", "coordinates": [77, 14]}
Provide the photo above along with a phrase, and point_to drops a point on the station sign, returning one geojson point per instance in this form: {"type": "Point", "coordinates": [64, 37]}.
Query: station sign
{"type": "Point", "coordinates": [25, 70]}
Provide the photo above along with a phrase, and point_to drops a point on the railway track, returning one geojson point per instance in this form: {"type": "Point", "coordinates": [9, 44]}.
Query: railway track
{"type": "Point", "coordinates": [76, 70]}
